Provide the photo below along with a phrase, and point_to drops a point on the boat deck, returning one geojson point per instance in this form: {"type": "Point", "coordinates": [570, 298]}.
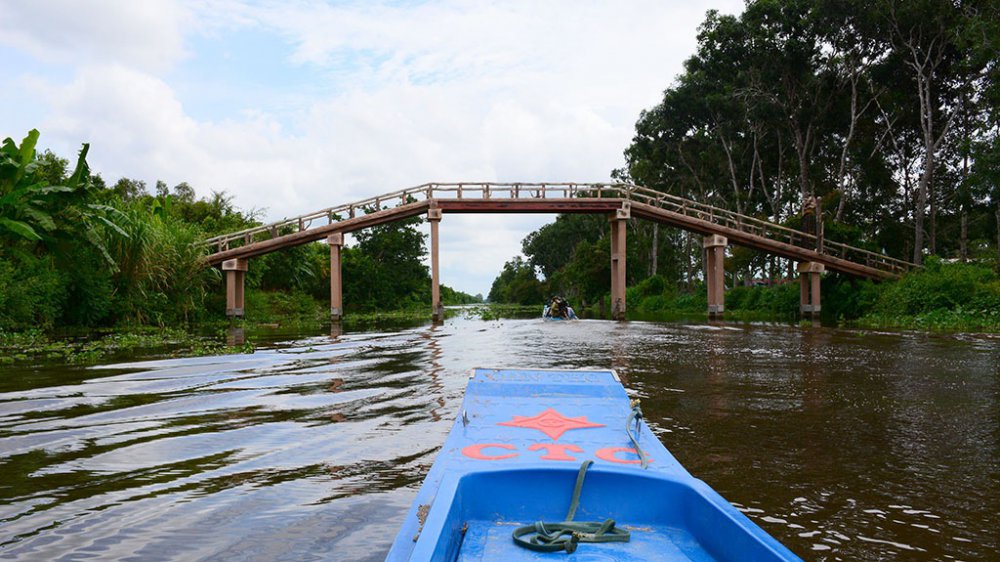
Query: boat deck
{"type": "Point", "coordinates": [490, 541]}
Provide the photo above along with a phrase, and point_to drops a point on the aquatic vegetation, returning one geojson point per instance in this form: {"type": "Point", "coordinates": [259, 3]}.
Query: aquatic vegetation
{"type": "Point", "coordinates": [37, 347]}
{"type": "Point", "coordinates": [495, 311]}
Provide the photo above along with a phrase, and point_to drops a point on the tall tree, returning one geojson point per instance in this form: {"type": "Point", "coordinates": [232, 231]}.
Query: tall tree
{"type": "Point", "coordinates": [925, 33]}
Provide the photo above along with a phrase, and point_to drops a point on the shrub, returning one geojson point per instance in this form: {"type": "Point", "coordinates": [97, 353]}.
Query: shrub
{"type": "Point", "coordinates": [937, 286]}
{"type": "Point", "coordinates": [650, 286]}
{"type": "Point", "coordinates": [32, 291]}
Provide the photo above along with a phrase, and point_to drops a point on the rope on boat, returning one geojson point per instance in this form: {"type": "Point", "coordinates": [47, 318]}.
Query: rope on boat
{"type": "Point", "coordinates": [553, 537]}
{"type": "Point", "coordinates": [636, 416]}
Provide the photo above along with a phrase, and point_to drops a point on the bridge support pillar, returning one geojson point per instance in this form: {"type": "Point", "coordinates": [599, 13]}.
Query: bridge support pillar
{"type": "Point", "coordinates": [715, 274]}
{"type": "Point", "coordinates": [236, 271]}
{"type": "Point", "coordinates": [336, 242]}
{"type": "Point", "coordinates": [437, 309]}
{"type": "Point", "coordinates": [809, 278]}
{"type": "Point", "coordinates": [619, 222]}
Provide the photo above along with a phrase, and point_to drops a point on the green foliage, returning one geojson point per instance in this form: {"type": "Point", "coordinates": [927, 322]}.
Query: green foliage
{"type": "Point", "coordinates": [301, 268]}
{"type": "Point", "coordinates": [553, 246]}
{"type": "Point", "coordinates": [779, 300]}
{"type": "Point", "coordinates": [21, 214]}
{"type": "Point", "coordinates": [39, 204]}
{"type": "Point", "coordinates": [385, 270]}
{"type": "Point", "coordinates": [451, 297]}
{"type": "Point", "coordinates": [287, 307]}
{"type": "Point", "coordinates": [31, 291]}
{"type": "Point", "coordinates": [159, 276]}
{"type": "Point", "coordinates": [90, 287]}
{"type": "Point", "coordinates": [587, 277]}
{"type": "Point", "coordinates": [75, 252]}
{"type": "Point", "coordinates": [942, 286]}
{"type": "Point", "coordinates": [790, 100]}
{"type": "Point", "coordinates": [33, 346]}
{"type": "Point", "coordinates": [494, 311]}
{"type": "Point", "coordinates": [518, 284]}
{"type": "Point", "coordinates": [651, 286]}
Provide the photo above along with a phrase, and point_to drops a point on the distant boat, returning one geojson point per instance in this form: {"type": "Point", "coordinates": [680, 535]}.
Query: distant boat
{"type": "Point", "coordinates": [540, 462]}
{"type": "Point", "coordinates": [547, 314]}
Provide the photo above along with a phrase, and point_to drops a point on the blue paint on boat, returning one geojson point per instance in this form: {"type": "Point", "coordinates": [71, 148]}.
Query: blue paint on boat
{"type": "Point", "coordinates": [512, 459]}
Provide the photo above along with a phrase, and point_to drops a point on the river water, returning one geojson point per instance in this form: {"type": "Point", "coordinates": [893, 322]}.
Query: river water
{"type": "Point", "coordinates": [843, 444]}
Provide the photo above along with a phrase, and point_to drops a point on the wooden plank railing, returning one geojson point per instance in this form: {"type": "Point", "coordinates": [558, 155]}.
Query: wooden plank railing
{"type": "Point", "coordinates": [765, 229]}
{"type": "Point", "coordinates": [419, 193]}
{"type": "Point", "coordinates": [522, 191]}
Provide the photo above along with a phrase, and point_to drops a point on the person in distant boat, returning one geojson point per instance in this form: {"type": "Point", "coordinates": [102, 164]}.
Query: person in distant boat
{"type": "Point", "coordinates": [560, 309]}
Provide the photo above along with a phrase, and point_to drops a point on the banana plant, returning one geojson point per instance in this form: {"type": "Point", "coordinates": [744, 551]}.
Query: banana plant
{"type": "Point", "coordinates": [22, 212]}
{"type": "Point", "coordinates": [33, 210]}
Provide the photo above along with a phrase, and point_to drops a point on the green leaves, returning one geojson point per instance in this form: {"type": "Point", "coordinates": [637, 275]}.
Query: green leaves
{"type": "Point", "coordinates": [33, 210]}
{"type": "Point", "coordinates": [15, 162]}
{"type": "Point", "coordinates": [19, 228]}
{"type": "Point", "coordinates": [20, 195]}
{"type": "Point", "coordinates": [81, 174]}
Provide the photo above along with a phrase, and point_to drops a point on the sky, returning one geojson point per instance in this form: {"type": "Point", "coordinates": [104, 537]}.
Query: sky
{"type": "Point", "coordinates": [294, 106]}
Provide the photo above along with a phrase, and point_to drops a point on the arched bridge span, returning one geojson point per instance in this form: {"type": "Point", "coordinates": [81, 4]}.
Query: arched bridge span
{"type": "Point", "coordinates": [619, 201]}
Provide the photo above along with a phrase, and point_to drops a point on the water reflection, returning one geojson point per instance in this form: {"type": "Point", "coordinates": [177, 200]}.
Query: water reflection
{"type": "Point", "coordinates": [235, 337]}
{"type": "Point", "coordinates": [846, 445]}
{"type": "Point", "coordinates": [436, 368]}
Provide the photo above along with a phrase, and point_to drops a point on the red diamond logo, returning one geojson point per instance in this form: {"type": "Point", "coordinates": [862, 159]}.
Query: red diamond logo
{"type": "Point", "coordinates": [551, 423]}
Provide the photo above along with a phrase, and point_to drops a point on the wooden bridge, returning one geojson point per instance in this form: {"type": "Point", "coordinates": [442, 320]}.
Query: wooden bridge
{"type": "Point", "coordinates": [620, 202]}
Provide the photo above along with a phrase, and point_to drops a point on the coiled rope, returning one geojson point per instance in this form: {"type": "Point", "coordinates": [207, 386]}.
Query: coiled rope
{"type": "Point", "coordinates": [553, 537]}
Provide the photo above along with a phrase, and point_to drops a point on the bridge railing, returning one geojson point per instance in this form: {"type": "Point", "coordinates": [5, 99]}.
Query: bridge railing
{"type": "Point", "coordinates": [765, 229]}
{"type": "Point", "coordinates": [329, 215]}
{"type": "Point", "coordinates": [562, 190]}
{"type": "Point", "coordinates": [427, 191]}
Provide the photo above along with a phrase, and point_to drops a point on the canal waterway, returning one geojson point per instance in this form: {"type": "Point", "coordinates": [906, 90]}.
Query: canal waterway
{"type": "Point", "coordinates": [844, 444]}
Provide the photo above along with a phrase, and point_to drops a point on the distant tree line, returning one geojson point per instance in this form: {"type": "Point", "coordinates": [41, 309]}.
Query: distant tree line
{"type": "Point", "coordinates": [75, 251]}
{"type": "Point", "coordinates": [883, 114]}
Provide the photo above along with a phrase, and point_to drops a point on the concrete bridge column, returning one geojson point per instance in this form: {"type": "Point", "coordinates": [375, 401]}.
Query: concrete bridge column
{"type": "Point", "coordinates": [336, 242]}
{"type": "Point", "coordinates": [235, 274]}
{"type": "Point", "coordinates": [809, 278]}
{"type": "Point", "coordinates": [437, 309]}
{"type": "Point", "coordinates": [618, 253]}
{"type": "Point", "coordinates": [715, 274]}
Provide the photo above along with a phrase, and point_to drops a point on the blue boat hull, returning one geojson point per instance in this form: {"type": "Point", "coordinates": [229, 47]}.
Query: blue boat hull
{"type": "Point", "coordinates": [512, 459]}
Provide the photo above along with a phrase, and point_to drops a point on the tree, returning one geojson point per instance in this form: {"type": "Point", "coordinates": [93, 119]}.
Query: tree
{"type": "Point", "coordinates": [551, 247]}
{"type": "Point", "coordinates": [925, 33]}
{"type": "Point", "coordinates": [517, 284]}
{"type": "Point", "coordinates": [385, 270]}
{"type": "Point", "coordinates": [130, 189]}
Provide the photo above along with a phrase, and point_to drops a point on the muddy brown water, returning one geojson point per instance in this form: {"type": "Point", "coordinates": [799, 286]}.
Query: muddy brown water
{"type": "Point", "coordinates": [843, 444]}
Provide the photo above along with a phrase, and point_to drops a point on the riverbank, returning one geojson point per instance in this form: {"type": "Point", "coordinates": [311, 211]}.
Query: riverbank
{"type": "Point", "coordinates": [78, 347]}
{"type": "Point", "coordinates": [942, 296]}
{"type": "Point", "coordinates": [268, 312]}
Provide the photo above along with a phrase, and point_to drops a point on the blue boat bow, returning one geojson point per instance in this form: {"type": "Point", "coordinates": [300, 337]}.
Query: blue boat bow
{"type": "Point", "coordinates": [513, 458]}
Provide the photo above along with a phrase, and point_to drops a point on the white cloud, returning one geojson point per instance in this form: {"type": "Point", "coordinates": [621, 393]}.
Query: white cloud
{"type": "Point", "coordinates": [399, 95]}
{"type": "Point", "coordinates": [140, 130]}
{"type": "Point", "coordinates": [145, 34]}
